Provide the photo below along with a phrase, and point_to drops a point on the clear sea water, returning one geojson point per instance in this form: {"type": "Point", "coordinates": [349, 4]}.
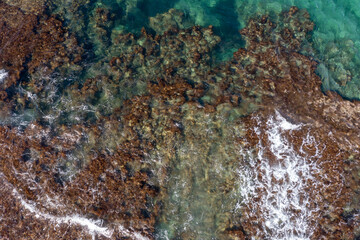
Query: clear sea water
{"type": "Point", "coordinates": [196, 206]}
{"type": "Point", "coordinates": [191, 208]}
{"type": "Point", "coordinates": [335, 40]}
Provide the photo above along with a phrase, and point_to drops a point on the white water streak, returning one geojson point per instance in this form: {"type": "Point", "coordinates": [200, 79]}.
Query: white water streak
{"type": "Point", "coordinates": [3, 75]}
{"type": "Point", "coordinates": [93, 226]}
{"type": "Point", "coordinates": [281, 183]}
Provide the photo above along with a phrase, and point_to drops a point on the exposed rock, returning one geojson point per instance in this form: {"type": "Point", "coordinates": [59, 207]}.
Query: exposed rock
{"type": "Point", "coordinates": [29, 44]}
{"type": "Point", "coordinates": [185, 121]}
{"type": "Point", "coordinates": [291, 87]}
{"type": "Point", "coordinates": [31, 48]}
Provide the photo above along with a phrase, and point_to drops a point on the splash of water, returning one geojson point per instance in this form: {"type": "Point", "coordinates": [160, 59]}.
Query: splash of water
{"type": "Point", "coordinates": [95, 228]}
{"type": "Point", "coordinates": [3, 75]}
{"type": "Point", "coordinates": [275, 181]}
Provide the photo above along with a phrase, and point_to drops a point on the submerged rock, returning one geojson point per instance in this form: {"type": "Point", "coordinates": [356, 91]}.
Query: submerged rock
{"type": "Point", "coordinates": [161, 143]}
{"type": "Point", "coordinates": [31, 48]}
{"type": "Point", "coordinates": [30, 44]}
{"type": "Point", "coordinates": [172, 19]}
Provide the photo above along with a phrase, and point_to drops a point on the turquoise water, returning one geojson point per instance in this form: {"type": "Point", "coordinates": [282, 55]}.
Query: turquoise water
{"type": "Point", "coordinates": [192, 208]}
{"type": "Point", "coordinates": [335, 40]}
{"type": "Point", "coordinates": [203, 186]}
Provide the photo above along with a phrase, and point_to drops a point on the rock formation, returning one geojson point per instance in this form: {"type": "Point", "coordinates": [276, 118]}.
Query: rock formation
{"type": "Point", "coordinates": [109, 174]}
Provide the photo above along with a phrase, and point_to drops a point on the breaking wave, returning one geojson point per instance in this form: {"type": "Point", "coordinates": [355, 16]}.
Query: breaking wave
{"type": "Point", "coordinates": [276, 179]}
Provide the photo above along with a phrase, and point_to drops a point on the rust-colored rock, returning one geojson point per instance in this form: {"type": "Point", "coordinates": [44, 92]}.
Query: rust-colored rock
{"type": "Point", "coordinates": [288, 84]}
{"type": "Point", "coordinates": [36, 7]}
{"type": "Point", "coordinates": [100, 170]}
{"type": "Point", "coordinates": [29, 43]}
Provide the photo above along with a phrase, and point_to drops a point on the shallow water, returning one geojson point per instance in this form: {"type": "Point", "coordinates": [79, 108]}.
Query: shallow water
{"type": "Point", "coordinates": [334, 42]}
{"type": "Point", "coordinates": [197, 207]}
{"type": "Point", "coordinates": [214, 179]}
{"type": "Point", "coordinates": [218, 180]}
{"type": "Point", "coordinates": [335, 38]}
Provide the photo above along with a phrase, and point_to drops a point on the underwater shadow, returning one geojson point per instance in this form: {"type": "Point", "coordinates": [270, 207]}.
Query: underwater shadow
{"type": "Point", "coordinates": [231, 40]}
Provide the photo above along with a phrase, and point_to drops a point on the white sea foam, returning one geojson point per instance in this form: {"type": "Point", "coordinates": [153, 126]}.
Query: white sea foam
{"type": "Point", "coordinates": [279, 184]}
{"type": "Point", "coordinates": [134, 235]}
{"type": "Point", "coordinates": [94, 227]}
{"type": "Point", "coordinates": [3, 75]}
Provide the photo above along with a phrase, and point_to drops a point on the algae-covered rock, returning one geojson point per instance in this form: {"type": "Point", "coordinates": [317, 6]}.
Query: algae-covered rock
{"type": "Point", "coordinates": [172, 19]}
{"type": "Point", "coordinates": [32, 48]}
{"type": "Point", "coordinates": [36, 7]}
{"type": "Point", "coordinates": [154, 140]}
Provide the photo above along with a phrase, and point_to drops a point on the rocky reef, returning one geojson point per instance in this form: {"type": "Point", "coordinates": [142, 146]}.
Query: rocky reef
{"type": "Point", "coordinates": [155, 141]}
{"type": "Point", "coordinates": [290, 84]}
{"type": "Point", "coordinates": [32, 47]}
{"type": "Point", "coordinates": [36, 7]}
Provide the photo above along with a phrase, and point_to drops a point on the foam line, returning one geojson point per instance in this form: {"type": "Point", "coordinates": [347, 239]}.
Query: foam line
{"type": "Point", "coordinates": [3, 75]}
{"type": "Point", "coordinates": [93, 226]}
{"type": "Point", "coordinates": [279, 183]}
